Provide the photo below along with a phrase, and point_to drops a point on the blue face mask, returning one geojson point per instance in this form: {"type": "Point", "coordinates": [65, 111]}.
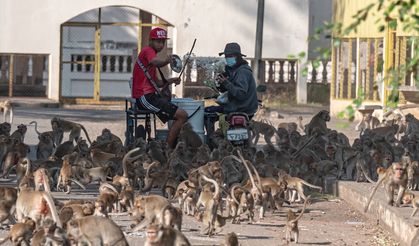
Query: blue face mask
{"type": "Point", "coordinates": [231, 61]}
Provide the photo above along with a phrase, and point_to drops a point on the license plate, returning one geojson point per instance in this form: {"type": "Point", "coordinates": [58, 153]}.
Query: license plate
{"type": "Point", "coordinates": [237, 134]}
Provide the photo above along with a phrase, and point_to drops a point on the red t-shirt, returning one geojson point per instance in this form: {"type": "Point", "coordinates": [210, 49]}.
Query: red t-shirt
{"type": "Point", "coordinates": [140, 84]}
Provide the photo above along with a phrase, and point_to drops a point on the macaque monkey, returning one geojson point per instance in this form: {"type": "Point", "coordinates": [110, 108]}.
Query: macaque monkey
{"type": "Point", "coordinates": [55, 135]}
{"type": "Point", "coordinates": [66, 173]}
{"type": "Point", "coordinates": [215, 224]}
{"type": "Point", "coordinates": [257, 128]}
{"type": "Point", "coordinates": [68, 126]}
{"type": "Point", "coordinates": [291, 226]}
{"type": "Point", "coordinates": [189, 137]}
{"type": "Point", "coordinates": [99, 158]}
{"type": "Point", "coordinates": [156, 179]}
{"type": "Point", "coordinates": [300, 124]}
{"type": "Point", "coordinates": [210, 216]}
{"type": "Point", "coordinates": [412, 124]}
{"type": "Point", "coordinates": [88, 175]}
{"type": "Point", "coordinates": [295, 186]}
{"type": "Point", "coordinates": [79, 210]}
{"type": "Point", "coordinates": [7, 107]}
{"type": "Point", "coordinates": [368, 121]}
{"type": "Point", "coordinates": [49, 234]}
{"type": "Point", "coordinates": [41, 178]}
{"type": "Point", "coordinates": [127, 178]}
{"type": "Point", "coordinates": [159, 235]}
{"type": "Point", "coordinates": [415, 204]}
{"type": "Point", "coordinates": [93, 230]}
{"type": "Point", "coordinates": [171, 216]}
{"type": "Point", "coordinates": [186, 195]}
{"type": "Point", "coordinates": [230, 239]}
{"type": "Point", "coordinates": [150, 208]}
{"type": "Point", "coordinates": [45, 147]}
{"type": "Point", "coordinates": [21, 233]}
{"type": "Point", "coordinates": [105, 203]}
{"type": "Point", "coordinates": [318, 123]}
{"type": "Point", "coordinates": [36, 205]}
{"type": "Point", "coordinates": [6, 212]}
{"type": "Point", "coordinates": [236, 207]}
{"type": "Point", "coordinates": [19, 134]}
{"type": "Point", "coordinates": [8, 196]}
{"type": "Point", "coordinates": [126, 198]}
{"type": "Point", "coordinates": [5, 129]}
{"type": "Point", "coordinates": [394, 177]}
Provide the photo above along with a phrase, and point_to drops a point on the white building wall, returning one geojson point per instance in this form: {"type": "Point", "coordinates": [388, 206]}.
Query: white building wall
{"type": "Point", "coordinates": [34, 26]}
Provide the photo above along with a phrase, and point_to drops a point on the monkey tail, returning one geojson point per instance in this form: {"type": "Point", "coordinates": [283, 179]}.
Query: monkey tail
{"type": "Point", "coordinates": [87, 135]}
{"type": "Point", "coordinates": [311, 185]}
{"type": "Point", "coordinates": [248, 170]}
{"type": "Point", "coordinates": [53, 209]}
{"type": "Point", "coordinates": [232, 193]}
{"type": "Point", "coordinates": [36, 126]}
{"type": "Point", "coordinates": [125, 161]}
{"type": "Point", "coordinates": [217, 187]}
{"type": "Point", "coordinates": [374, 190]}
{"type": "Point", "coordinates": [46, 182]}
{"type": "Point", "coordinates": [78, 183]}
{"type": "Point", "coordinates": [147, 173]}
{"type": "Point", "coordinates": [28, 165]}
{"type": "Point", "coordinates": [366, 175]}
{"type": "Point", "coordinates": [302, 211]}
{"type": "Point", "coordinates": [258, 177]}
{"type": "Point", "coordinates": [109, 186]}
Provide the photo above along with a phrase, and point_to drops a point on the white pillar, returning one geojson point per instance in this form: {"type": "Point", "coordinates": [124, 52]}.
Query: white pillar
{"type": "Point", "coordinates": [301, 83]}
{"type": "Point", "coordinates": [357, 67]}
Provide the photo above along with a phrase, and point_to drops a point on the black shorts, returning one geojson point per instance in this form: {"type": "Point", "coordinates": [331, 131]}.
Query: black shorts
{"type": "Point", "coordinates": [164, 109]}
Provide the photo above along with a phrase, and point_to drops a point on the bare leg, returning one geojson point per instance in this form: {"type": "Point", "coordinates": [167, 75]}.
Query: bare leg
{"type": "Point", "coordinates": [180, 118]}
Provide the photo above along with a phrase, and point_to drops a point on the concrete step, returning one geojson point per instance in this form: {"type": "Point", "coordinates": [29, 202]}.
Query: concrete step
{"type": "Point", "coordinates": [32, 102]}
{"type": "Point", "coordinates": [395, 219]}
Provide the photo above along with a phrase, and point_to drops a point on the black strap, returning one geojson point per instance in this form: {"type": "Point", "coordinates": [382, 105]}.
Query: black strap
{"type": "Point", "coordinates": [190, 116]}
{"type": "Point", "coordinates": [148, 76]}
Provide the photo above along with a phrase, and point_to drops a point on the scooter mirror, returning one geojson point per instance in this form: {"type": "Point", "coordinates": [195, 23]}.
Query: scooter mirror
{"type": "Point", "coordinates": [176, 63]}
{"type": "Point", "coordinates": [261, 88]}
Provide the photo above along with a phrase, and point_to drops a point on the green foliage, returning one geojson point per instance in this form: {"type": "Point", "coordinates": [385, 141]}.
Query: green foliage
{"type": "Point", "coordinates": [396, 12]}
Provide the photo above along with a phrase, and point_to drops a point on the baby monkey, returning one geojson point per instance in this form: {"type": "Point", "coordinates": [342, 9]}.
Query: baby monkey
{"type": "Point", "coordinates": [291, 227]}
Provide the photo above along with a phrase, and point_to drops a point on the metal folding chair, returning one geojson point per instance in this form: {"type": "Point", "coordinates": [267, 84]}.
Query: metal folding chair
{"type": "Point", "coordinates": [133, 113]}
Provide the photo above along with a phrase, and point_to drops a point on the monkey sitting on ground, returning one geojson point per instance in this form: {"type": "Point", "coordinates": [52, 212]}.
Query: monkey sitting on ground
{"type": "Point", "coordinates": [7, 107]}
{"type": "Point", "coordinates": [21, 233]}
{"type": "Point", "coordinates": [291, 226]}
{"type": "Point", "coordinates": [189, 137]}
{"type": "Point", "coordinates": [19, 134]}
{"type": "Point", "coordinates": [171, 216]}
{"type": "Point", "coordinates": [394, 177]}
{"type": "Point", "coordinates": [50, 234]}
{"type": "Point", "coordinates": [150, 208]}
{"type": "Point", "coordinates": [159, 235]}
{"type": "Point", "coordinates": [318, 122]}
{"type": "Point", "coordinates": [230, 240]}
{"type": "Point", "coordinates": [93, 230]}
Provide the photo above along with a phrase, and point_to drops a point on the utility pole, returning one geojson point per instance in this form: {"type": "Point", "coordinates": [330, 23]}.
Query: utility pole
{"type": "Point", "coordinates": [259, 41]}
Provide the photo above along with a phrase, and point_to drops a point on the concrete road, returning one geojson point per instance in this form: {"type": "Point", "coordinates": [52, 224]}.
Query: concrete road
{"type": "Point", "coordinates": [329, 221]}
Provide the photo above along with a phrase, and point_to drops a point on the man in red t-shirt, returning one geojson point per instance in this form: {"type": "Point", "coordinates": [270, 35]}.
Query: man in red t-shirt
{"type": "Point", "coordinates": [146, 94]}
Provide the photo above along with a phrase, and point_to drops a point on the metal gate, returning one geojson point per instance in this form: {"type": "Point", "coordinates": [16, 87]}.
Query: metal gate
{"type": "Point", "coordinates": [98, 52]}
{"type": "Point", "coordinates": [23, 75]}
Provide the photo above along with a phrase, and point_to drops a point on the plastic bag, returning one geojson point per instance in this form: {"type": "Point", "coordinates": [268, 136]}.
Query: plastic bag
{"type": "Point", "coordinates": [222, 99]}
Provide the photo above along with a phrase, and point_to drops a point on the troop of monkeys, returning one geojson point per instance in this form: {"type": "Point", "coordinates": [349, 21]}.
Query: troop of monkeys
{"type": "Point", "coordinates": [225, 183]}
